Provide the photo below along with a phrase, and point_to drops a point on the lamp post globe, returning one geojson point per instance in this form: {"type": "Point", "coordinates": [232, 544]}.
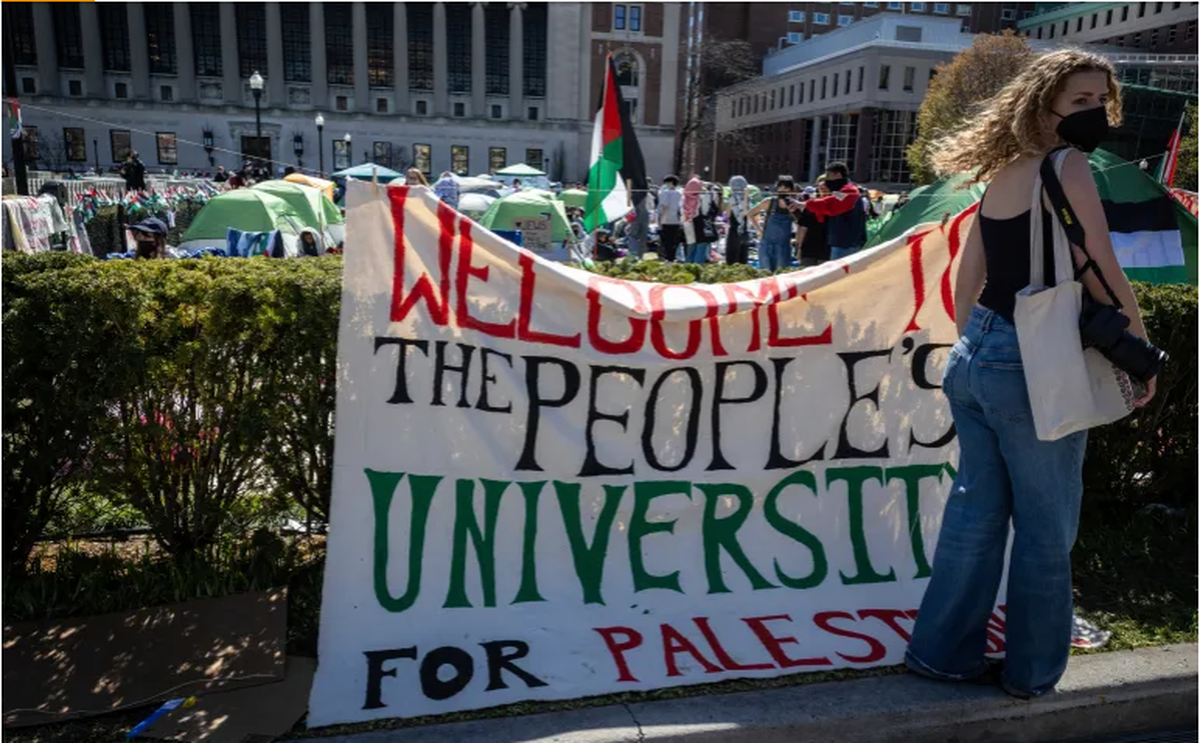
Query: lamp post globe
{"type": "Point", "coordinates": [320, 122]}
{"type": "Point", "coordinates": [256, 88]}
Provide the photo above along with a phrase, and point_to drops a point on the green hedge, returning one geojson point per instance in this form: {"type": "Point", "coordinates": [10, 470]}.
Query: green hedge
{"type": "Point", "coordinates": [182, 388]}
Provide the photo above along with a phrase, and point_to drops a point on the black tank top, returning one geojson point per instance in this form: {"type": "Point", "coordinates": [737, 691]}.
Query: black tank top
{"type": "Point", "coordinates": [1006, 252]}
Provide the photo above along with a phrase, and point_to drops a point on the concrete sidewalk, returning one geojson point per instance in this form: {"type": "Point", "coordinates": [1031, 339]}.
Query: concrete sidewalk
{"type": "Point", "coordinates": [1102, 694]}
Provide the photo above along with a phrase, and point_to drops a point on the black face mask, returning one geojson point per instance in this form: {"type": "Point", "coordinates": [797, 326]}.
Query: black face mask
{"type": "Point", "coordinates": [835, 184]}
{"type": "Point", "coordinates": [1084, 129]}
{"type": "Point", "coordinates": [146, 249]}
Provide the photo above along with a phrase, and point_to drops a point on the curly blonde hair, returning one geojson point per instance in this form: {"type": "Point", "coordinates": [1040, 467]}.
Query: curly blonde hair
{"type": "Point", "coordinates": [1011, 125]}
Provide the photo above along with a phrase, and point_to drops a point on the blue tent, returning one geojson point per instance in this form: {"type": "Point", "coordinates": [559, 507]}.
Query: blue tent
{"type": "Point", "coordinates": [368, 171]}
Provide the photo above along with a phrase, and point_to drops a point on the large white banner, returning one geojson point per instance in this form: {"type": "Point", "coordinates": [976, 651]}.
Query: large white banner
{"type": "Point", "coordinates": [551, 484]}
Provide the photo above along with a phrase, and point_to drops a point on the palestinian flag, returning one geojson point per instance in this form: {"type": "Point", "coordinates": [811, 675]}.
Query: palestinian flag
{"type": "Point", "coordinates": [1154, 236]}
{"type": "Point", "coordinates": [616, 158]}
{"type": "Point", "coordinates": [1166, 169]}
{"type": "Point", "coordinates": [14, 118]}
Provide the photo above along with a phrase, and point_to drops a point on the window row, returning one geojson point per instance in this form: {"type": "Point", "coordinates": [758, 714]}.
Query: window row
{"type": "Point", "coordinates": [829, 86]}
{"type": "Point", "coordinates": [1102, 19]}
{"type": "Point", "coordinates": [73, 147]}
{"type": "Point", "coordinates": [295, 27]}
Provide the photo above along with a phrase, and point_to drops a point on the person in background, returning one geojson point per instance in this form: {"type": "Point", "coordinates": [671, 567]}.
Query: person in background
{"type": "Point", "coordinates": [516, 184]}
{"type": "Point", "coordinates": [446, 189]}
{"type": "Point", "coordinates": [775, 247]}
{"type": "Point", "coordinates": [737, 235]}
{"type": "Point", "coordinates": [637, 232]}
{"type": "Point", "coordinates": [692, 191]}
{"type": "Point", "coordinates": [845, 219]}
{"type": "Point", "coordinates": [236, 180]}
{"type": "Point", "coordinates": [670, 218]}
{"type": "Point", "coordinates": [414, 177]}
{"type": "Point", "coordinates": [150, 235]}
{"type": "Point", "coordinates": [812, 247]}
{"type": "Point", "coordinates": [310, 243]}
{"type": "Point", "coordinates": [901, 202]}
{"type": "Point", "coordinates": [289, 170]}
{"type": "Point", "coordinates": [133, 170]}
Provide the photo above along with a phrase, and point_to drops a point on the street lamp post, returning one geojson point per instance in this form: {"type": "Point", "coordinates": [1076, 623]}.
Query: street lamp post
{"type": "Point", "coordinates": [349, 157]}
{"type": "Point", "coordinates": [96, 154]}
{"type": "Point", "coordinates": [320, 122]}
{"type": "Point", "coordinates": [256, 88]}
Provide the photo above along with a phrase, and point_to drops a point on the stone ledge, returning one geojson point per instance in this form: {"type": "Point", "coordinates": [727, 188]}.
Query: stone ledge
{"type": "Point", "coordinates": [1101, 694]}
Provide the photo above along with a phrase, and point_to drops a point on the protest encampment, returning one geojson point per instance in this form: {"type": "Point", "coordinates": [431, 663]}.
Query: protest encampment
{"type": "Point", "coordinates": [578, 372]}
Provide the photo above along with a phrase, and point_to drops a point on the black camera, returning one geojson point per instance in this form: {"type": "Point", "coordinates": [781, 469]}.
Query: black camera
{"type": "Point", "coordinates": [1105, 328]}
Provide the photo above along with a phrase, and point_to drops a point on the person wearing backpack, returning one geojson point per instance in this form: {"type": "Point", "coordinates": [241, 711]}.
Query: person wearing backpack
{"type": "Point", "coordinates": [1007, 473]}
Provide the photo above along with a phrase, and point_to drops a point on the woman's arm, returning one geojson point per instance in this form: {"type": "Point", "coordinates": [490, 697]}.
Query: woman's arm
{"type": "Point", "coordinates": [972, 273]}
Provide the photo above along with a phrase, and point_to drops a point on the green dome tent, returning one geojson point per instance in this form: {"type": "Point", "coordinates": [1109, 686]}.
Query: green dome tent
{"type": "Point", "coordinates": [503, 213]}
{"type": "Point", "coordinates": [314, 206]}
{"type": "Point", "coordinates": [574, 197]}
{"type": "Point", "coordinates": [243, 209]}
{"type": "Point", "coordinates": [1154, 236]}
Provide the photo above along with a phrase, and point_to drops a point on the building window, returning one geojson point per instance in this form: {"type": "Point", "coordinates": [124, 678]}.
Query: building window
{"type": "Point", "coordinates": [845, 20]}
{"type": "Point", "coordinates": [1095, 18]}
{"type": "Point", "coordinates": [870, 5]}
{"type": "Point", "coordinates": [497, 159]}
{"type": "Point", "coordinates": [532, 113]}
{"type": "Point", "coordinates": [460, 109]}
{"type": "Point", "coordinates": [941, 8]}
{"type": "Point", "coordinates": [1066, 27]}
{"type": "Point", "coordinates": [341, 154]}
{"type": "Point", "coordinates": [1191, 31]}
{"type": "Point", "coordinates": [821, 19]}
{"type": "Point", "coordinates": [801, 86]}
{"type": "Point", "coordinates": [792, 95]}
{"type": "Point", "coordinates": [460, 161]}
{"type": "Point", "coordinates": [114, 36]}
{"type": "Point", "coordinates": [1141, 10]}
{"type": "Point", "coordinates": [846, 90]}
{"type": "Point", "coordinates": [75, 143]}
{"type": "Point", "coordinates": [1137, 40]}
{"type": "Point", "coordinates": [1052, 27]}
{"type": "Point", "coordinates": [835, 85]}
{"type": "Point", "coordinates": [68, 39]}
{"type": "Point", "coordinates": [422, 108]}
{"type": "Point", "coordinates": [75, 88]}
{"type": "Point", "coordinates": [497, 111]}
{"type": "Point", "coordinates": [166, 93]}
{"type": "Point", "coordinates": [120, 143]}
{"type": "Point", "coordinates": [963, 10]}
{"type": "Point", "coordinates": [206, 37]}
{"type": "Point", "coordinates": [420, 45]}
{"type": "Point", "coordinates": [1078, 24]}
{"type": "Point", "coordinates": [894, 132]}
{"type": "Point", "coordinates": [1008, 14]}
{"type": "Point", "coordinates": [812, 88]}
{"type": "Point", "coordinates": [535, 49]}
{"type": "Point", "coordinates": [160, 35]}
{"type": "Point", "coordinates": [29, 135]}
{"type": "Point", "coordinates": [635, 18]}
{"type": "Point", "coordinates": [795, 16]}
{"type": "Point", "coordinates": [168, 153]}
{"type": "Point", "coordinates": [458, 56]}
{"type": "Point", "coordinates": [824, 86]}
{"type": "Point", "coordinates": [533, 158]}
{"type": "Point", "coordinates": [28, 85]}
{"type": "Point", "coordinates": [339, 44]}
{"type": "Point", "coordinates": [1124, 16]}
{"type": "Point", "coordinates": [910, 76]}
{"type": "Point", "coordinates": [1153, 38]}
{"type": "Point", "coordinates": [19, 34]}
{"type": "Point", "coordinates": [381, 105]}
{"type": "Point", "coordinates": [496, 27]}
{"type": "Point", "coordinates": [342, 103]}
{"type": "Point", "coordinates": [795, 37]}
{"type": "Point", "coordinates": [297, 57]}
{"type": "Point", "coordinates": [423, 158]}
{"type": "Point", "coordinates": [917, 7]}
{"type": "Point", "coordinates": [1158, 8]}
{"type": "Point", "coordinates": [884, 74]}
{"type": "Point", "coordinates": [380, 47]}
{"type": "Point", "coordinates": [120, 91]}
{"type": "Point", "coordinates": [619, 18]}
{"type": "Point", "coordinates": [861, 74]}
{"type": "Point", "coordinates": [252, 39]}
{"type": "Point", "coordinates": [382, 151]}
{"type": "Point", "coordinates": [895, 6]}
{"type": "Point", "coordinates": [1171, 35]}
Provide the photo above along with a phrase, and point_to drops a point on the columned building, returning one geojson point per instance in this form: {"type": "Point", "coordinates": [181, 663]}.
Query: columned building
{"type": "Point", "coordinates": [469, 86]}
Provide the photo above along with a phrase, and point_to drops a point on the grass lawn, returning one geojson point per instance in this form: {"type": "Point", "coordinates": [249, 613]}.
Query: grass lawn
{"type": "Point", "coordinates": [1135, 574]}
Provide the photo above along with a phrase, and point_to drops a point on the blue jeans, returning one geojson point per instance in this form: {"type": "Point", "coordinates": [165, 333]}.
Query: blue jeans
{"type": "Point", "coordinates": [774, 251]}
{"type": "Point", "coordinates": [835, 253]}
{"type": "Point", "coordinates": [1005, 473]}
{"type": "Point", "coordinates": [698, 253]}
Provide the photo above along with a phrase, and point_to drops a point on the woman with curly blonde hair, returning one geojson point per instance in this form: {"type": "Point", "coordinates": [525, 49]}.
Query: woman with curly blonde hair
{"type": "Point", "coordinates": [1005, 472]}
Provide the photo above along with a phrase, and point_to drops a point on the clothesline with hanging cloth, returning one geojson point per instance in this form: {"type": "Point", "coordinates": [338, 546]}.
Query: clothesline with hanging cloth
{"type": "Point", "coordinates": [36, 224]}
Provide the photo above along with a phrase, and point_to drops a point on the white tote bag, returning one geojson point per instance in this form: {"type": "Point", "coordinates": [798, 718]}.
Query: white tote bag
{"type": "Point", "coordinates": [1070, 388]}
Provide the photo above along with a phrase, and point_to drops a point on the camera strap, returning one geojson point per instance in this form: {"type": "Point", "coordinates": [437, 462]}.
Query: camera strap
{"type": "Point", "coordinates": [1071, 225]}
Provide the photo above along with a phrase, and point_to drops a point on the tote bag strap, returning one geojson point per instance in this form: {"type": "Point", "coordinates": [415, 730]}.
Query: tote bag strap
{"type": "Point", "coordinates": [1070, 223]}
